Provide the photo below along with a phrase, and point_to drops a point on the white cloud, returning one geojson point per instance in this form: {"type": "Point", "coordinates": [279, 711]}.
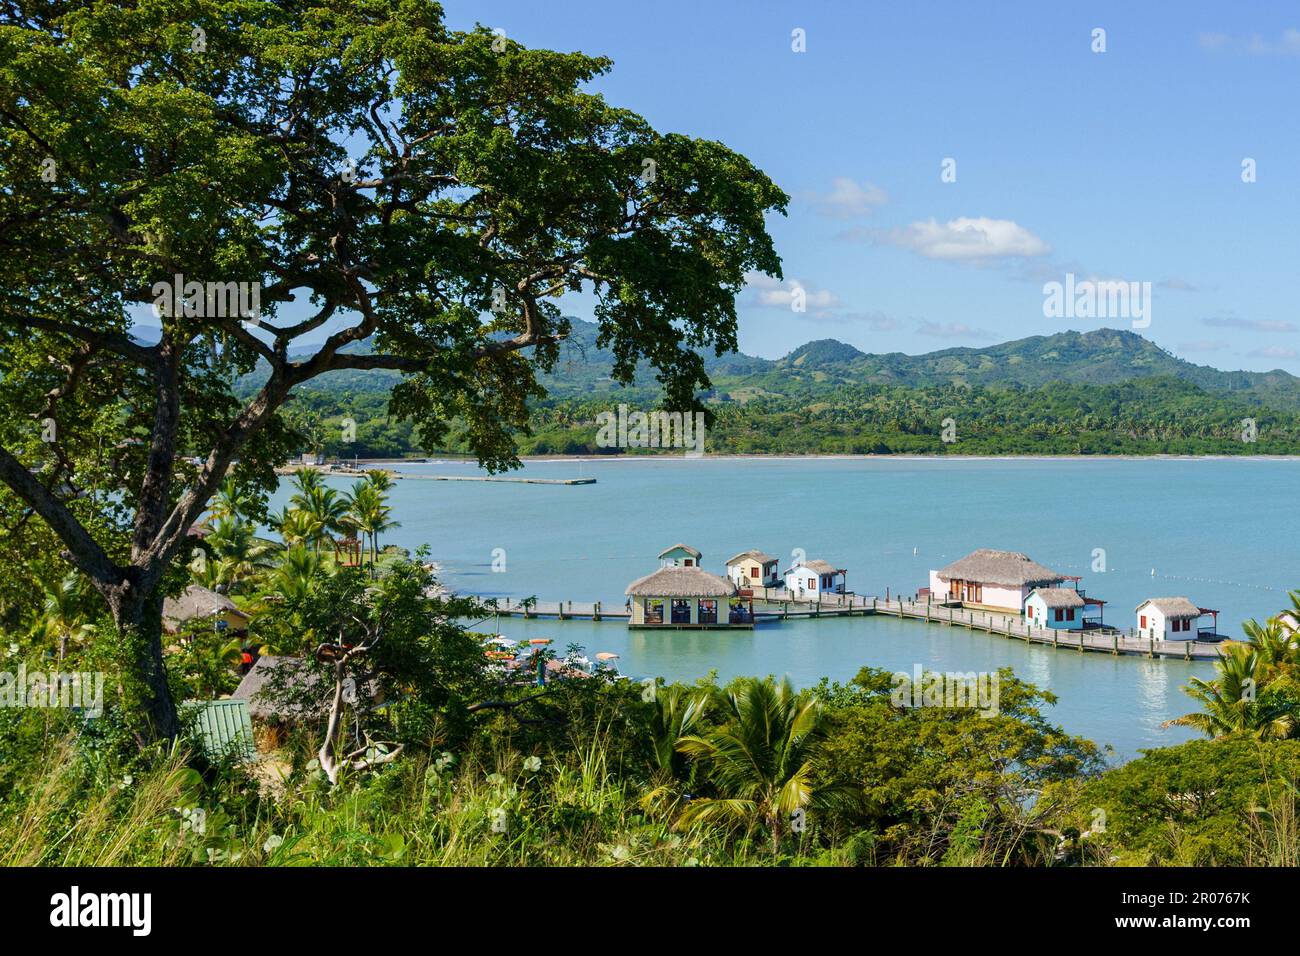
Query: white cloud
{"type": "Point", "coordinates": [968, 238]}
{"type": "Point", "coordinates": [952, 330]}
{"type": "Point", "coordinates": [1252, 325]}
{"type": "Point", "coordinates": [775, 294]}
{"type": "Point", "coordinates": [1275, 352]}
{"type": "Point", "coordinates": [1288, 44]}
{"type": "Point", "coordinates": [848, 199]}
{"type": "Point", "coordinates": [1203, 345]}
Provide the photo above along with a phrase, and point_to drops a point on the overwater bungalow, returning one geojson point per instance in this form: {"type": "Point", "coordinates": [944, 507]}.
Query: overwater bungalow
{"type": "Point", "coordinates": [990, 580]}
{"type": "Point", "coordinates": [681, 594]}
{"type": "Point", "coordinates": [812, 579]}
{"type": "Point", "coordinates": [1174, 619]}
{"type": "Point", "coordinates": [753, 569]}
{"type": "Point", "coordinates": [1063, 609]}
{"type": "Point", "coordinates": [680, 555]}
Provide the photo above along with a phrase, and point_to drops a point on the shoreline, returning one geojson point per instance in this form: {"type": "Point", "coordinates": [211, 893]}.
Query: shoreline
{"type": "Point", "coordinates": [453, 459]}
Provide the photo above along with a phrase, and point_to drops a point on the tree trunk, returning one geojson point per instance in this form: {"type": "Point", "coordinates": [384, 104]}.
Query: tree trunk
{"type": "Point", "coordinates": [147, 694]}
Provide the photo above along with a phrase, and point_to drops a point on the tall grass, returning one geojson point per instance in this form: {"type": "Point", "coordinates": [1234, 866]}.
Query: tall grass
{"type": "Point", "coordinates": [492, 809]}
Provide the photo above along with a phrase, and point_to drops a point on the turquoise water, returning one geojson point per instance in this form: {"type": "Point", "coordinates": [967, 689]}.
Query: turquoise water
{"type": "Point", "coordinates": [1221, 531]}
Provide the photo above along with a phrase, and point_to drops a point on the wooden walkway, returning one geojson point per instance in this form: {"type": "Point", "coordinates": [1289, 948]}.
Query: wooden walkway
{"type": "Point", "coordinates": [519, 481]}
{"type": "Point", "coordinates": [1006, 625]}
{"type": "Point", "coordinates": [778, 606]}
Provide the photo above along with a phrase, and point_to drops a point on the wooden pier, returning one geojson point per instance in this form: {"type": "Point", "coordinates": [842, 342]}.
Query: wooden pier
{"type": "Point", "coordinates": [344, 471]}
{"type": "Point", "coordinates": [778, 606]}
{"type": "Point", "coordinates": [1101, 641]}
{"type": "Point", "coordinates": [520, 481]}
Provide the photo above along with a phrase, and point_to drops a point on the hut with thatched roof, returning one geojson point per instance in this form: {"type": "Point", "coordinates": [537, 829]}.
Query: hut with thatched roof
{"type": "Point", "coordinates": [992, 580]}
{"type": "Point", "coordinates": [1175, 619]}
{"type": "Point", "coordinates": [1063, 609]}
{"type": "Point", "coordinates": [197, 606]}
{"type": "Point", "coordinates": [281, 691]}
{"type": "Point", "coordinates": [813, 578]}
{"type": "Point", "coordinates": [681, 594]}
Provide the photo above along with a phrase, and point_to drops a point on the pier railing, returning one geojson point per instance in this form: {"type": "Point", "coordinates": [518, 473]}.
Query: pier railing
{"type": "Point", "coordinates": [1007, 625]}
{"type": "Point", "coordinates": [777, 604]}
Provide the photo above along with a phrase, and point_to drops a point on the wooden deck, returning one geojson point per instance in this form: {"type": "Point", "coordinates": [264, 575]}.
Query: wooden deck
{"type": "Point", "coordinates": [773, 605]}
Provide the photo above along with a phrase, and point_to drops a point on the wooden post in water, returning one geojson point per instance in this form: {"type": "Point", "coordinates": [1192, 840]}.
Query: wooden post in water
{"type": "Point", "coordinates": [595, 611]}
{"type": "Point", "coordinates": [1187, 650]}
{"type": "Point", "coordinates": [1115, 642]}
{"type": "Point", "coordinates": [785, 610]}
{"type": "Point", "coordinates": [561, 609]}
{"type": "Point", "coordinates": [1151, 650]}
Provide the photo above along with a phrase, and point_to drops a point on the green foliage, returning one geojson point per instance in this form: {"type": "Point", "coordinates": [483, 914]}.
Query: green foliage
{"type": "Point", "coordinates": [788, 411]}
{"type": "Point", "coordinates": [1194, 804]}
{"type": "Point", "coordinates": [947, 783]}
{"type": "Point", "coordinates": [436, 190]}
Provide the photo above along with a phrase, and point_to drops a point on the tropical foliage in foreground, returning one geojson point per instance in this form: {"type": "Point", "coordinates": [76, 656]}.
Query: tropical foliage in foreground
{"type": "Point", "coordinates": [492, 769]}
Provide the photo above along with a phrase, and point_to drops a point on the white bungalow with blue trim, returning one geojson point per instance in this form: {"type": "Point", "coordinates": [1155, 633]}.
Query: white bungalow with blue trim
{"type": "Point", "coordinates": [815, 578]}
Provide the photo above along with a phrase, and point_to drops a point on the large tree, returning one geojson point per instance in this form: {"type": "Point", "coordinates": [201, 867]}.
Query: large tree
{"type": "Point", "coordinates": [417, 197]}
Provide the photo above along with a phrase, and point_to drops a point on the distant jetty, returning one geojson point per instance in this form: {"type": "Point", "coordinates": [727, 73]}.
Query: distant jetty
{"type": "Point", "coordinates": [347, 472]}
{"type": "Point", "coordinates": [521, 481]}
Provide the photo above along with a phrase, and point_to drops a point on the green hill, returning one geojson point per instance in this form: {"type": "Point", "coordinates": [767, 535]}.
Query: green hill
{"type": "Point", "coordinates": [1101, 357]}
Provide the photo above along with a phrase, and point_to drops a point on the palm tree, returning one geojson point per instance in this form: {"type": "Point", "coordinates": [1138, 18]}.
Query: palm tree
{"type": "Point", "coordinates": [759, 759]}
{"type": "Point", "coordinates": [307, 479]}
{"type": "Point", "coordinates": [677, 710]}
{"type": "Point", "coordinates": [382, 481]}
{"type": "Point", "coordinates": [369, 514]}
{"type": "Point", "coordinates": [295, 527]}
{"type": "Point", "coordinates": [63, 614]}
{"type": "Point", "coordinates": [230, 502]}
{"type": "Point", "coordinates": [237, 554]}
{"type": "Point", "coordinates": [292, 577]}
{"type": "Point", "coordinates": [323, 504]}
{"type": "Point", "coordinates": [1231, 703]}
{"type": "Point", "coordinates": [1277, 645]}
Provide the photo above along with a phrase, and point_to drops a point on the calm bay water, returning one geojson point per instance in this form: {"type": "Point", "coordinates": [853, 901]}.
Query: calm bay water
{"type": "Point", "coordinates": [1222, 532]}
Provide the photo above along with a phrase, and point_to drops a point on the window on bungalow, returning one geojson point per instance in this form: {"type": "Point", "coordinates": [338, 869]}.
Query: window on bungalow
{"type": "Point", "coordinates": [1142, 621]}
{"type": "Point", "coordinates": [654, 611]}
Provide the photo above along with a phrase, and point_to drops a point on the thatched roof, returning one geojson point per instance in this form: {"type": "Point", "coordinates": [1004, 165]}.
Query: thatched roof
{"type": "Point", "coordinates": [680, 547]}
{"type": "Point", "coordinates": [817, 566]}
{"type": "Point", "coordinates": [1012, 568]}
{"type": "Point", "coordinates": [196, 603]}
{"type": "Point", "coordinates": [1059, 597]}
{"type": "Point", "coordinates": [1172, 606]}
{"type": "Point", "coordinates": [762, 557]}
{"type": "Point", "coordinates": [281, 677]}
{"type": "Point", "coordinates": [681, 582]}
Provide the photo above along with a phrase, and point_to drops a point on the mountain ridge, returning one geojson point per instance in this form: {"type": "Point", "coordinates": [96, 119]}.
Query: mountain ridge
{"type": "Point", "coordinates": [1097, 357]}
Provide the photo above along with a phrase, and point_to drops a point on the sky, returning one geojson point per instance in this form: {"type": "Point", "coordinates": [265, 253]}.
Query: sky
{"type": "Point", "coordinates": [1126, 164]}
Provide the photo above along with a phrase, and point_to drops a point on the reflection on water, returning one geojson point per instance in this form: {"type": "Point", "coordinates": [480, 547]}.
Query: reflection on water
{"type": "Point", "coordinates": [888, 521]}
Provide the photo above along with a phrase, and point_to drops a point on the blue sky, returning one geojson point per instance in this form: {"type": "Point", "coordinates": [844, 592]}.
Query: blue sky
{"type": "Point", "coordinates": [1122, 165]}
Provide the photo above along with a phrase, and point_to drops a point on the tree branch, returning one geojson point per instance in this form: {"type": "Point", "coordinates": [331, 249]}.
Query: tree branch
{"type": "Point", "coordinates": [84, 551]}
